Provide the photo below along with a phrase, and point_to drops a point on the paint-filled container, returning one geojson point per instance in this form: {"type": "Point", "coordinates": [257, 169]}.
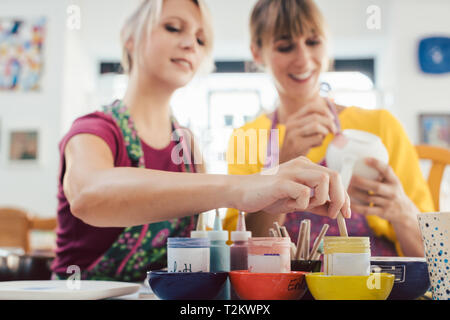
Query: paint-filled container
{"type": "Point", "coordinates": [346, 256]}
{"type": "Point", "coordinates": [269, 255]}
{"type": "Point", "coordinates": [220, 258]}
{"type": "Point", "coordinates": [239, 250]}
{"type": "Point", "coordinates": [188, 255]}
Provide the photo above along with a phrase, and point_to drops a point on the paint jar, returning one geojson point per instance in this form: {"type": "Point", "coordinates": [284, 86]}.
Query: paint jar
{"type": "Point", "coordinates": [269, 255]}
{"type": "Point", "coordinates": [239, 254]}
{"type": "Point", "coordinates": [346, 256]}
{"type": "Point", "coordinates": [220, 258]}
{"type": "Point", "coordinates": [239, 250]}
{"type": "Point", "coordinates": [188, 255]}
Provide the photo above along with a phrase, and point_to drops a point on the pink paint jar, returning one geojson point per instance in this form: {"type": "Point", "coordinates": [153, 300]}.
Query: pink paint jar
{"type": "Point", "coordinates": [269, 255]}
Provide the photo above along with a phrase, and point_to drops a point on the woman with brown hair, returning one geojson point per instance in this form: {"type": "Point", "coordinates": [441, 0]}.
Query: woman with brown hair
{"type": "Point", "coordinates": [289, 38]}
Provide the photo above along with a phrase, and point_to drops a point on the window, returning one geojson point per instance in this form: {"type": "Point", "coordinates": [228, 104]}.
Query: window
{"type": "Point", "coordinates": [351, 89]}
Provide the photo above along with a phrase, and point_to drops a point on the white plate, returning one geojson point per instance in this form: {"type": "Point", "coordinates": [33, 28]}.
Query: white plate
{"type": "Point", "coordinates": [64, 290]}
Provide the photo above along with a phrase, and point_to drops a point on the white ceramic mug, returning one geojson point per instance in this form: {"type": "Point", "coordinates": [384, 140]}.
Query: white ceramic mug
{"type": "Point", "coordinates": [347, 151]}
{"type": "Point", "coordinates": [435, 228]}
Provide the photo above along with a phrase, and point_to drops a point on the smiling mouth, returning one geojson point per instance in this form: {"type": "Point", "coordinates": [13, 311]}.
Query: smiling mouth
{"type": "Point", "coordinates": [182, 62]}
{"type": "Point", "coordinates": [301, 77]}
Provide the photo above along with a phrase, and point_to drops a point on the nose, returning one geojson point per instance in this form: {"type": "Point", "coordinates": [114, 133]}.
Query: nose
{"type": "Point", "coordinates": [188, 42]}
{"type": "Point", "coordinates": [302, 57]}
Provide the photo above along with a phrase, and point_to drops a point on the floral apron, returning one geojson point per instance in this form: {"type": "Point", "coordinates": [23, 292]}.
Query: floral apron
{"type": "Point", "coordinates": [357, 226]}
{"type": "Point", "coordinates": [138, 249]}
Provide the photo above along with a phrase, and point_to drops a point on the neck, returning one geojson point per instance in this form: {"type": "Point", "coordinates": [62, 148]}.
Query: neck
{"type": "Point", "coordinates": [291, 105]}
{"type": "Point", "coordinates": [148, 103]}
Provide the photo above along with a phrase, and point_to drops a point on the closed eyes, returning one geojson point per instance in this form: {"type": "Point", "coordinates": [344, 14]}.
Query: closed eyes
{"type": "Point", "coordinates": [173, 29]}
{"type": "Point", "coordinates": [290, 46]}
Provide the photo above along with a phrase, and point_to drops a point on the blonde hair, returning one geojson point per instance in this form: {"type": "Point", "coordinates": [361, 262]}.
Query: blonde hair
{"type": "Point", "coordinates": [140, 24]}
{"type": "Point", "coordinates": [276, 18]}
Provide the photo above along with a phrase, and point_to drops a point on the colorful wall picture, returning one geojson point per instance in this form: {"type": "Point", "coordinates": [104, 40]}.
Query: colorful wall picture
{"type": "Point", "coordinates": [24, 145]}
{"type": "Point", "coordinates": [435, 129]}
{"type": "Point", "coordinates": [21, 53]}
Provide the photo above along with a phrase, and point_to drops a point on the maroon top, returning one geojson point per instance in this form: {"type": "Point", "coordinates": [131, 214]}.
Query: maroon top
{"type": "Point", "coordinates": [77, 242]}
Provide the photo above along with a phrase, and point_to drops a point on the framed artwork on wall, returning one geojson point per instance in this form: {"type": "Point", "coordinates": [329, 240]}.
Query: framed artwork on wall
{"type": "Point", "coordinates": [435, 129]}
{"type": "Point", "coordinates": [23, 146]}
{"type": "Point", "coordinates": [21, 53]}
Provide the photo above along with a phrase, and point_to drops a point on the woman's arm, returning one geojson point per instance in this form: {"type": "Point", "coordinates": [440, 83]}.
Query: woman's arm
{"type": "Point", "coordinates": [107, 196]}
{"type": "Point", "coordinates": [408, 232]}
{"type": "Point", "coordinates": [403, 191]}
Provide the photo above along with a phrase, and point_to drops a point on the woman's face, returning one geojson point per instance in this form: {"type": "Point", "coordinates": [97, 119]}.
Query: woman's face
{"type": "Point", "coordinates": [175, 48]}
{"type": "Point", "coordinates": [295, 64]}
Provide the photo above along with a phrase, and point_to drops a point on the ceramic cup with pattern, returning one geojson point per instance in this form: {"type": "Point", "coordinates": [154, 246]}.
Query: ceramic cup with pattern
{"type": "Point", "coordinates": [435, 228]}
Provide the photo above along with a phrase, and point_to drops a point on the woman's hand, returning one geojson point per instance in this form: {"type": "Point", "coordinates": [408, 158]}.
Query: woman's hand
{"type": "Point", "coordinates": [297, 185]}
{"type": "Point", "coordinates": [384, 198]}
{"type": "Point", "coordinates": [306, 129]}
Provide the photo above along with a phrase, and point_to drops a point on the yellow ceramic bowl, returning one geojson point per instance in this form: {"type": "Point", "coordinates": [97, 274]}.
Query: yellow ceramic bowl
{"type": "Point", "coordinates": [377, 286]}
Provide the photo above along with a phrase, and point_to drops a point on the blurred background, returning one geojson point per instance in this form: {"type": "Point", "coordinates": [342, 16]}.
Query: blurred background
{"type": "Point", "coordinates": [60, 59]}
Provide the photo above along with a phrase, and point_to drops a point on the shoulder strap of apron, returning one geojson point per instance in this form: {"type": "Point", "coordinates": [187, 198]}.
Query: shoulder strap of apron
{"type": "Point", "coordinates": [121, 115]}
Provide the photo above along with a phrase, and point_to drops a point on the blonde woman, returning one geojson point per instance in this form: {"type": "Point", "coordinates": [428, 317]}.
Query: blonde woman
{"type": "Point", "coordinates": [127, 179]}
{"type": "Point", "coordinates": [290, 39]}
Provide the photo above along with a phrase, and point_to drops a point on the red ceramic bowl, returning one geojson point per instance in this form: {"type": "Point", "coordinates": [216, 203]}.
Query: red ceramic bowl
{"type": "Point", "coordinates": [268, 286]}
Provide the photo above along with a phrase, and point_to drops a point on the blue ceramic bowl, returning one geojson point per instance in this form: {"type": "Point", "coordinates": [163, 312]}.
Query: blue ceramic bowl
{"type": "Point", "coordinates": [186, 285]}
{"type": "Point", "coordinates": [411, 275]}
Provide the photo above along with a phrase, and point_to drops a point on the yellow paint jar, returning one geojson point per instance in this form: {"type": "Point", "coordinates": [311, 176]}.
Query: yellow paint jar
{"type": "Point", "coordinates": [346, 256]}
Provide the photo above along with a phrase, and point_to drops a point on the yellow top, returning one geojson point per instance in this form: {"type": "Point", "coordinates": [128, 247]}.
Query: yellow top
{"type": "Point", "coordinates": [402, 158]}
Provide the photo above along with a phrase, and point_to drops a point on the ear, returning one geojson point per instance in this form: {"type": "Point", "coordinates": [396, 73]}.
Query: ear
{"type": "Point", "coordinates": [257, 54]}
{"type": "Point", "coordinates": [129, 45]}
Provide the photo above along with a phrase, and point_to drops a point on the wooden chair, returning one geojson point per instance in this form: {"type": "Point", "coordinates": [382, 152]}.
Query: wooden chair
{"type": "Point", "coordinates": [44, 224]}
{"type": "Point", "coordinates": [16, 225]}
{"type": "Point", "coordinates": [440, 158]}
{"type": "Point", "coordinates": [14, 228]}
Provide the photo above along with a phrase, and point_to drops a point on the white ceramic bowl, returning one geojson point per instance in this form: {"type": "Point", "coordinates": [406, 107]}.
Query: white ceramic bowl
{"type": "Point", "coordinates": [351, 148]}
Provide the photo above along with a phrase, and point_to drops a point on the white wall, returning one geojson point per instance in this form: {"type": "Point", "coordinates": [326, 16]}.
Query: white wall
{"type": "Point", "coordinates": [33, 187]}
{"type": "Point", "coordinates": [415, 91]}
{"type": "Point", "coordinates": [96, 40]}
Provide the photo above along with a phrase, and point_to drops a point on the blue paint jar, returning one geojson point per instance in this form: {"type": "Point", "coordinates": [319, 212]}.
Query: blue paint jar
{"type": "Point", "coordinates": [220, 255]}
{"type": "Point", "coordinates": [220, 258]}
{"type": "Point", "coordinates": [188, 255]}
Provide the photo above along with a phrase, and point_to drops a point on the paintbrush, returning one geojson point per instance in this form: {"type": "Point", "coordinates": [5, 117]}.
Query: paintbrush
{"type": "Point", "coordinates": [300, 240]}
{"type": "Point", "coordinates": [314, 255]}
{"type": "Point", "coordinates": [285, 234]}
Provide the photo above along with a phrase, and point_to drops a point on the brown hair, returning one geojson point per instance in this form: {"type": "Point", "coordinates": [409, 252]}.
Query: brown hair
{"type": "Point", "coordinates": [271, 19]}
